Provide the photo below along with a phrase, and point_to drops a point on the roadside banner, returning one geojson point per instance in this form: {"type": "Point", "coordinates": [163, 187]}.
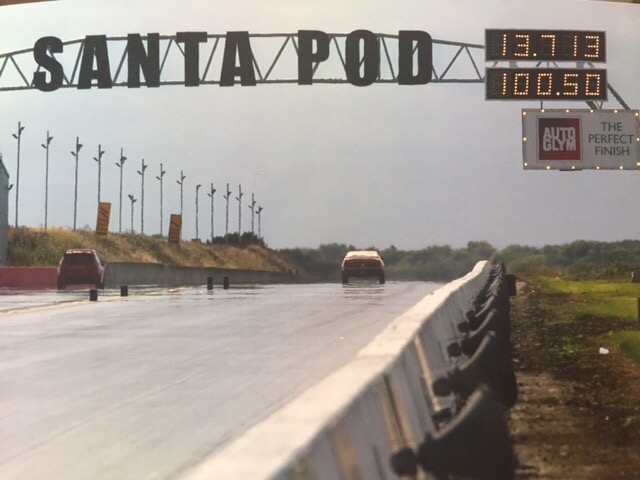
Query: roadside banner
{"type": "Point", "coordinates": [175, 226]}
{"type": "Point", "coordinates": [580, 139]}
{"type": "Point", "coordinates": [104, 214]}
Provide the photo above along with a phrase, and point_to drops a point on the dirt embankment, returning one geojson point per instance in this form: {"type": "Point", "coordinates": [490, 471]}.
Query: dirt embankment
{"type": "Point", "coordinates": [576, 414]}
{"type": "Point", "coordinates": [36, 247]}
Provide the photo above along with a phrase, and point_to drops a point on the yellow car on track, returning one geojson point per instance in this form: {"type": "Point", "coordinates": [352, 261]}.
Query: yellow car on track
{"type": "Point", "coordinates": [362, 263]}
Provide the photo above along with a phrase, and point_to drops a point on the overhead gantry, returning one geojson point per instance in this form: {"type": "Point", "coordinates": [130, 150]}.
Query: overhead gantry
{"type": "Point", "coordinates": [242, 58]}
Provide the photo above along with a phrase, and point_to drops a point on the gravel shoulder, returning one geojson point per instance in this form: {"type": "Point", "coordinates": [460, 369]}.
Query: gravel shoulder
{"type": "Point", "coordinates": [578, 415]}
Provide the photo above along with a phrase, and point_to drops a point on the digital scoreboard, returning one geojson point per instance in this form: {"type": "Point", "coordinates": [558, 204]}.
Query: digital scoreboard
{"type": "Point", "coordinates": [545, 45]}
{"type": "Point", "coordinates": [546, 84]}
{"type": "Point", "coordinates": [551, 81]}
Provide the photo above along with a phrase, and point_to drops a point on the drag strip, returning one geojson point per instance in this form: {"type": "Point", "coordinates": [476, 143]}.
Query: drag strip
{"type": "Point", "coordinates": [148, 386]}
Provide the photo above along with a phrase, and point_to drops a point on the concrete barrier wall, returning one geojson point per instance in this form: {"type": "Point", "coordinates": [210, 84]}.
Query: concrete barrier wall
{"type": "Point", "coordinates": [129, 273]}
{"type": "Point", "coordinates": [348, 426]}
{"type": "Point", "coordinates": [117, 274]}
{"type": "Point", "coordinates": [28, 278]}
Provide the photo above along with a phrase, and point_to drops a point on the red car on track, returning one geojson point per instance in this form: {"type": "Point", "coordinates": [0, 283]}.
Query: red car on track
{"type": "Point", "coordinates": [80, 267]}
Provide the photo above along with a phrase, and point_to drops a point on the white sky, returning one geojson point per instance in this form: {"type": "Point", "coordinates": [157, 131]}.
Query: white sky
{"type": "Point", "coordinates": [379, 165]}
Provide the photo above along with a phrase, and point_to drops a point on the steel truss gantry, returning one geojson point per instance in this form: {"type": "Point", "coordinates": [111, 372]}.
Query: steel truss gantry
{"type": "Point", "coordinates": [274, 58]}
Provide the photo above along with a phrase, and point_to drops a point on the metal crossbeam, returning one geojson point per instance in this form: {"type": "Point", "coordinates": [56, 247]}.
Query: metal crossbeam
{"type": "Point", "coordinates": [283, 57]}
{"type": "Point", "coordinates": [274, 59]}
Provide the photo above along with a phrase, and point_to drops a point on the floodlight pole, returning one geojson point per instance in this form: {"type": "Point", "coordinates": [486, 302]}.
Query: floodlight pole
{"type": "Point", "coordinates": [226, 223]}
{"type": "Point", "coordinates": [9, 187]}
{"type": "Point", "coordinates": [239, 199]}
{"type": "Point", "coordinates": [197, 214]}
{"type": "Point", "coordinates": [159, 177]}
{"type": "Point", "coordinates": [259, 213]}
{"type": "Point", "coordinates": [141, 173]}
{"type": "Point", "coordinates": [252, 208]}
{"type": "Point", "coordinates": [76, 154]}
{"type": "Point", "coordinates": [213, 191]}
{"type": "Point", "coordinates": [181, 183]}
{"type": "Point", "coordinates": [133, 200]}
{"type": "Point", "coordinates": [121, 164]}
{"type": "Point", "coordinates": [99, 160]}
{"type": "Point", "coordinates": [46, 178]}
{"type": "Point", "coordinates": [17, 137]}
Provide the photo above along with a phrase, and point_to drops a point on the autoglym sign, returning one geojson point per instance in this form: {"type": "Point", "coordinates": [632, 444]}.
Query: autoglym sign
{"type": "Point", "coordinates": [580, 139]}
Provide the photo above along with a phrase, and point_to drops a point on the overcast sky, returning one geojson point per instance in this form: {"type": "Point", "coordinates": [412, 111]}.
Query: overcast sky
{"type": "Point", "coordinates": [386, 164]}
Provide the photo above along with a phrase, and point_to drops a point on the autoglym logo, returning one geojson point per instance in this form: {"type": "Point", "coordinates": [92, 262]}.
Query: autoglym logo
{"type": "Point", "coordinates": [559, 139]}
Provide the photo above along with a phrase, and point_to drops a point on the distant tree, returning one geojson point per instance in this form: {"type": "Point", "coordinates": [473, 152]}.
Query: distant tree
{"type": "Point", "coordinates": [577, 250]}
{"type": "Point", "coordinates": [482, 250]}
{"type": "Point", "coordinates": [391, 255]}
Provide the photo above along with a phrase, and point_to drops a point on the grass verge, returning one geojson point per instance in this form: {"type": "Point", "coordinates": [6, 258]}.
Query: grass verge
{"type": "Point", "coordinates": [579, 299]}
{"type": "Point", "coordinates": [581, 316]}
{"type": "Point", "coordinates": [35, 247]}
{"type": "Point", "coordinates": [579, 410]}
{"type": "Point", "coordinates": [601, 304]}
{"type": "Point", "coordinates": [629, 343]}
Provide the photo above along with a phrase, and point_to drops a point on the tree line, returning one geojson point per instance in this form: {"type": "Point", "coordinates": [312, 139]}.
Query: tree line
{"type": "Point", "coordinates": [581, 258]}
{"type": "Point", "coordinates": [434, 263]}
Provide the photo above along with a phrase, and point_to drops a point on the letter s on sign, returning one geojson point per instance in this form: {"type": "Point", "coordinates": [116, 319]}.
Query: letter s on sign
{"type": "Point", "coordinates": [43, 46]}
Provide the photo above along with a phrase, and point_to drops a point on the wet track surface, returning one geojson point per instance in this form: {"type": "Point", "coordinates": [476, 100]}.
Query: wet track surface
{"type": "Point", "coordinates": [149, 385]}
{"type": "Point", "coordinates": [12, 299]}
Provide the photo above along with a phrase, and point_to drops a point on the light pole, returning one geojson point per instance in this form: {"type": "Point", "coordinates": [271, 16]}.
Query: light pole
{"type": "Point", "coordinates": [259, 213]}
{"type": "Point", "coordinates": [197, 192]}
{"type": "Point", "coordinates": [76, 154]}
{"type": "Point", "coordinates": [99, 160]}
{"type": "Point", "coordinates": [226, 223]}
{"type": "Point", "coordinates": [133, 200]}
{"type": "Point", "coordinates": [17, 137]}
{"type": "Point", "coordinates": [46, 178]}
{"type": "Point", "coordinates": [159, 177]}
{"type": "Point", "coordinates": [181, 183]}
{"type": "Point", "coordinates": [120, 165]}
{"type": "Point", "coordinates": [213, 191]}
{"type": "Point", "coordinates": [239, 199]}
{"type": "Point", "coordinates": [9, 187]}
{"type": "Point", "coordinates": [141, 173]}
{"type": "Point", "coordinates": [252, 208]}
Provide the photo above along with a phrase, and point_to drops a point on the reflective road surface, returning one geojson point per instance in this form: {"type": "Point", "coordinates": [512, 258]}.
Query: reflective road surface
{"type": "Point", "coordinates": [148, 386]}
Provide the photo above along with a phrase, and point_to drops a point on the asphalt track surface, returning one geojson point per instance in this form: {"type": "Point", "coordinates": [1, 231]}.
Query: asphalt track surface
{"type": "Point", "coordinates": [148, 386]}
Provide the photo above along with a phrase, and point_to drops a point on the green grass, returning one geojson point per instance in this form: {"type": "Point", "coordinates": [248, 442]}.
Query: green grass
{"type": "Point", "coordinates": [35, 247]}
{"type": "Point", "coordinates": [629, 342]}
{"type": "Point", "coordinates": [575, 299]}
{"type": "Point", "coordinates": [588, 306]}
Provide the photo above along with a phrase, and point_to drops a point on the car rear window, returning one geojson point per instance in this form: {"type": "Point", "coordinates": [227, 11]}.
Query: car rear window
{"type": "Point", "coordinates": [79, 258]}
{"type": "Point", "coordinates": [362, 260]}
